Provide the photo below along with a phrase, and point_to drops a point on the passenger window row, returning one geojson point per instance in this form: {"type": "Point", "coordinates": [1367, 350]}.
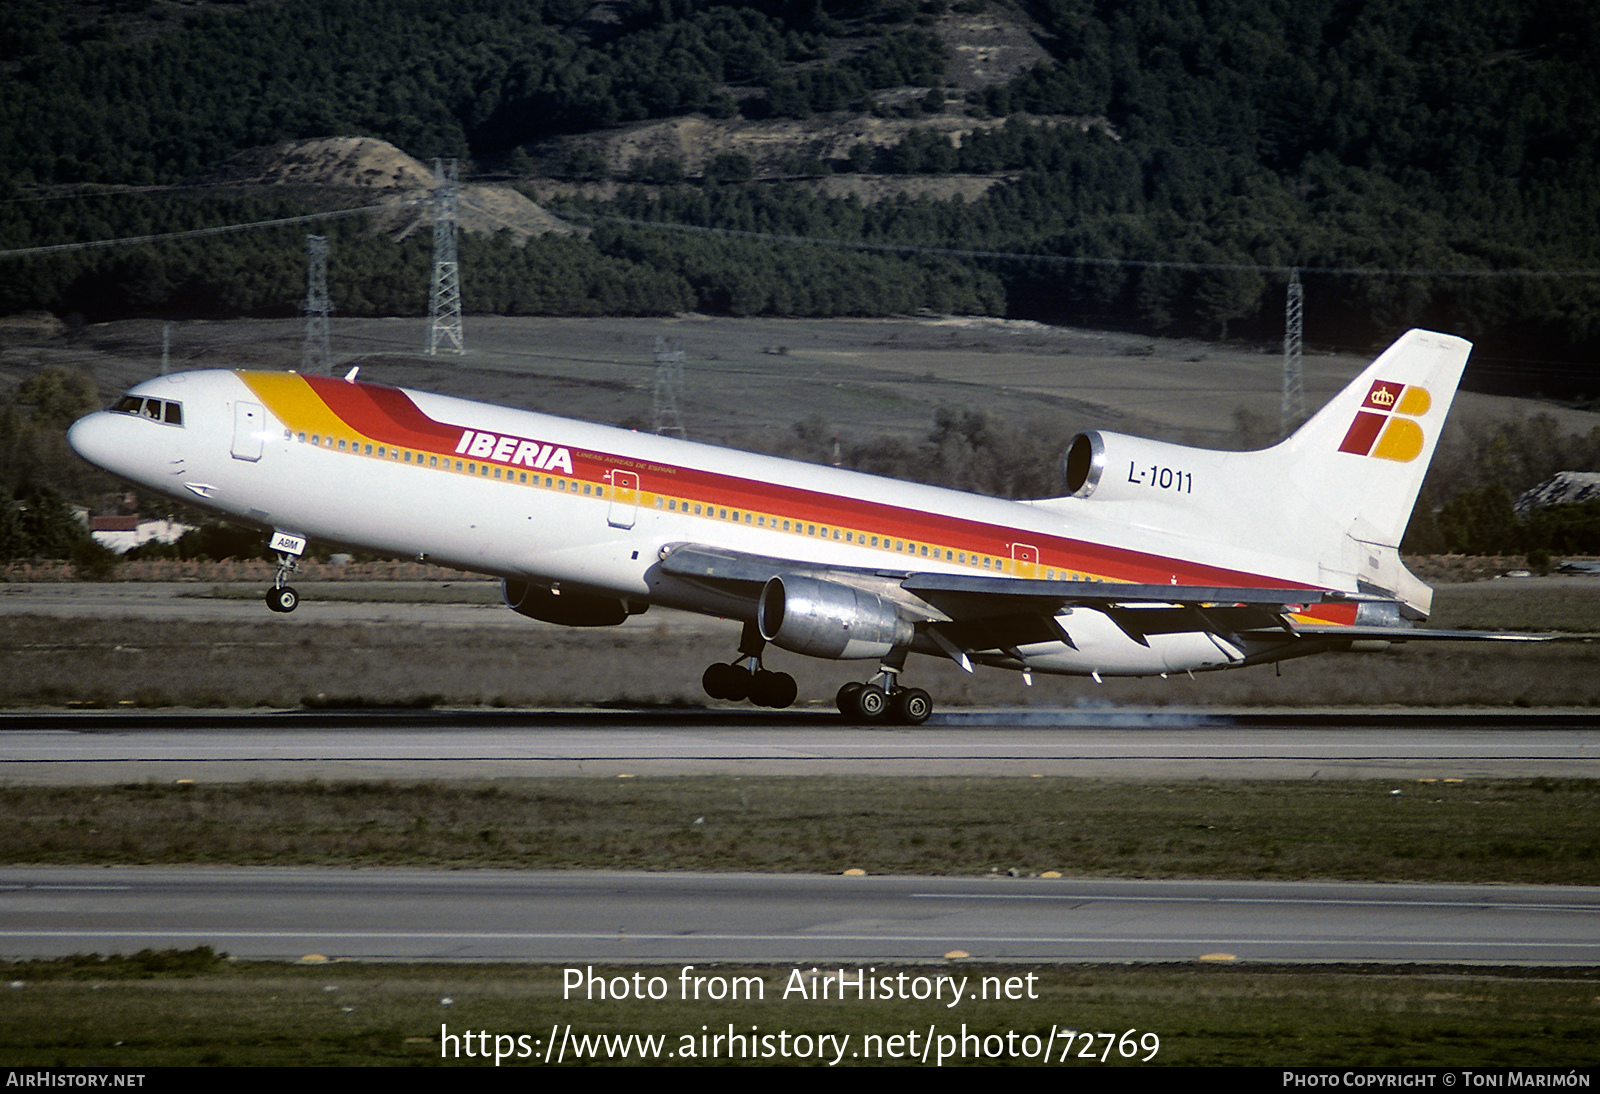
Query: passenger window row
{"type": "Point", "coordinates": [987, 562]}
{"type": "Point", "coordinates": [419, 459]}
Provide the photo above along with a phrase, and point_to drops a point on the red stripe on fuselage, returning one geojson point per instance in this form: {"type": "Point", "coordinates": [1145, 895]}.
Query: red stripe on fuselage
{"type": "Point", "coordinates": [384, 413]}
{"type": "Point", "coordinates": [956, 533]}
{"type": "Point", "coordinates": [389, 415]}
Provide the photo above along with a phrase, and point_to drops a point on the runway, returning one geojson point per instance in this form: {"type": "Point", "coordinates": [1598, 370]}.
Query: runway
{"type": "Point", "coordinates": [616, 918]}
{"type": "Point", "coordinates": [66, 748]}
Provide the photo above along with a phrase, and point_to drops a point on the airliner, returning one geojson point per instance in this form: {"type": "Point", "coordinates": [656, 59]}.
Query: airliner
{"type": "Point", "coordinates": [1157, 559]}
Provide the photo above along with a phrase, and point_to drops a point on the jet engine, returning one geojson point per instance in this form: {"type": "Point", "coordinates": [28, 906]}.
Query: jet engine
{"type": "Point", "coordinates": [823, 618]}
{"type": "Point", "coordinates": [568, 608]}
{"type": "Point", "coordinates": [1114, 465]}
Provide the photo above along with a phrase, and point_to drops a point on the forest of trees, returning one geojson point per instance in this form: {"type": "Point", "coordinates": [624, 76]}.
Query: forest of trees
{"type": "Point", "coordinates": [1386, 137]}
{"type": "Point", "coordinates": [1160, 173]}
{"type": "Point", "coordinates": [87, 102]}
{"type": "Point", "coordinates": [39, 473]}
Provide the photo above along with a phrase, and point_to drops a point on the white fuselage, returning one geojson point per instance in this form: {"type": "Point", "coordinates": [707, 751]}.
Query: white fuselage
{"type": "Point", "coordinates": [590, 508]}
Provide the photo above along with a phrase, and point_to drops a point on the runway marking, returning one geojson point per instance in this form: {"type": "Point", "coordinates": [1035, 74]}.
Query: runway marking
{"type": "Point", "coordinates": [792, 757]}
{"type": "Point", "coordinates": [514, 936]}
{"type": "Point", "coordinates": [1329, 901]}
{"type": "Point", "coordinates": [80, 888]}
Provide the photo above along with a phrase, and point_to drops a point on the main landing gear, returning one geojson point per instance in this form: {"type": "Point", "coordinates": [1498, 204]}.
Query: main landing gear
{"type": "Point", "coordinates": [744, 678]}
{"type": "Point", "coordinates": [281, 597]}
{"type": "Point", "coordinates": [882, 699]}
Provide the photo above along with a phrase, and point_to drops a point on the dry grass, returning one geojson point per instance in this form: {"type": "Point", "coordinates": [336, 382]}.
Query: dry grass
{"type": "Point", "coordinates": [288, 662]}
{"type": "Point", "coordinates": [1565, 604]}
{"type": "Point", "coordinates": [143, 663]}
{"type": "Point", "coordinates": [1537, 831]}
{"type": "Point", "coordinates": [256, 571]}
{"type": "Point", "coordinates": [123, 1013]}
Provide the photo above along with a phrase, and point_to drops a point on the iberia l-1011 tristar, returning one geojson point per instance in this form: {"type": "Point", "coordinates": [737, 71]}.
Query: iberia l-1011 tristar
{"type": "Point", "coordinates": [1159, 558]}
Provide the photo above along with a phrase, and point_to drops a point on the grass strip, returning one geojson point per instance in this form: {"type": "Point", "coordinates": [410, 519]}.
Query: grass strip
{"type": "Point", "coordinates": [1540, 831]}
{"type": "Point", "coordinates": [292, 661]}
{"type": "Point", "coordinates": [195, 1008]}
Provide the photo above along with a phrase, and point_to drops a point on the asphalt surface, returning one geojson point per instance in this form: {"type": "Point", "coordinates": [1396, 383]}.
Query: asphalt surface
{"type": "Point", "coordinates": [75, 749]}
{"type": "Point", "coordinates": [626, 918]}
{"type": "Point", "coordinates": [623, 918]}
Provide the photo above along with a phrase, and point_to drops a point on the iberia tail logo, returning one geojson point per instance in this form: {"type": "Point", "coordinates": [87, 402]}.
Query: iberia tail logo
{"type": "Point", "coordinates": [1384, 425]}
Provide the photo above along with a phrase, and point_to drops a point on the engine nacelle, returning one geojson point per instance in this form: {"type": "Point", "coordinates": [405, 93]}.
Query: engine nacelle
{"type": "Point", "coordinates": [1114, 465]}
{"type": "Point", "coordinates": [567, 608]}
{"type": "Point", "coordinates": [828, 619]}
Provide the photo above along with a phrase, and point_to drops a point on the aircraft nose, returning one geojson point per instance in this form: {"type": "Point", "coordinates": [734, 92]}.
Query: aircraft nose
{"type": "Point", "coordinates": [95, 438]}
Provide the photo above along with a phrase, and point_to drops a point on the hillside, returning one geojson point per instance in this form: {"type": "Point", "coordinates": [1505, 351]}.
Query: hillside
{"type": "Point", "coordinates": [371, 171]}
{"type": "Point", "coordinates": [1155, 169]}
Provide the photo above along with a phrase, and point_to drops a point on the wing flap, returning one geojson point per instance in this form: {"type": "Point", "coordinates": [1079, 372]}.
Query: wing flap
{"type": "Point", "coordinates": [1000, 632]}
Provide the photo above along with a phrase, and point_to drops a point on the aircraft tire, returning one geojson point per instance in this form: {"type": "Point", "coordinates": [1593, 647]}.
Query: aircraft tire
{"type": "Point", "coordinates": [283, 599]}
{"type": "Point", "coordinates": [711, 680]}
{"type": "Point", "coordinates": [910, 707]}
{"type": "Point", "coordinates": [725, 681]}
{"type": "Point", "coordinates": [773, 689]}
{"type": "Point", "coordinates": [738, 684]}
{"type": "Point", "coordinates": [871, 703]}
{"type": "Point", "coordinates": [845, 700]}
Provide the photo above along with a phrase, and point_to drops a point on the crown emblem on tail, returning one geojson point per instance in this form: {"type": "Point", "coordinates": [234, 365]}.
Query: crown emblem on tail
{"type": "Point", "coordinates": [1389, 434]}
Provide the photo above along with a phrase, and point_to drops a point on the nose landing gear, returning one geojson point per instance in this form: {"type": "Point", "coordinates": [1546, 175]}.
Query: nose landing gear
{"type": "Point", "coordinates": [281, 597]}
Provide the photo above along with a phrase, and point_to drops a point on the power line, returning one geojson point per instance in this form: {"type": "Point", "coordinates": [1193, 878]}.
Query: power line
{"type": "Point", "coordinates": [1077, 260]}
{"type": "Point", "coordinates": [192, 233]}
{"type": "Point", "coordinates": [114, 190]}
{"type": "Point", "coordinates": [75, 191]}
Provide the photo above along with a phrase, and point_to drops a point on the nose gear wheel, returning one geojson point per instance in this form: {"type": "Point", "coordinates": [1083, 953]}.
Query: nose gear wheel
{"type": "Point", "coordinates": [281, 597]}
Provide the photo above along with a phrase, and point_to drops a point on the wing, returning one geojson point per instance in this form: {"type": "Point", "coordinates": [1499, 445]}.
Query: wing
{"type": "Point", "coordinates": [1246, 611]}
{"type": "Point", "coordinates": [961, 615]}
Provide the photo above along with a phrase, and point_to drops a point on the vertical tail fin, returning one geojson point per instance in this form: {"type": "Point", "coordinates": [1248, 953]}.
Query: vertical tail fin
{"type": "Point", "coordinates": [1354, 469]}
{"type": "Point", "coordinates": [1328, 504]}
{"type": "Point", "coordinates": [1363, 455]}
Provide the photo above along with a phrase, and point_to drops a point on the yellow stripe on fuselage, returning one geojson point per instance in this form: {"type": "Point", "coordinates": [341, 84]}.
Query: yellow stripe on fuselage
{"type": "Point", "coordinates": [293, 403]}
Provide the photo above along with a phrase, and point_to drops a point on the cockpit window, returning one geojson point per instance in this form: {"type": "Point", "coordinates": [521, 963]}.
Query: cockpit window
{"type": "Point", "coordinates": [157, 410]}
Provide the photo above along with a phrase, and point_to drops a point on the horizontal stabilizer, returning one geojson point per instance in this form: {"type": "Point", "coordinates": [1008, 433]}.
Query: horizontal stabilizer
{"type": "Point", "coordinates": [1425, 634]}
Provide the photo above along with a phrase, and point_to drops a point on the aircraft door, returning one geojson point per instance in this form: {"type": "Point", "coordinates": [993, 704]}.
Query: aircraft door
{"type": "Point", "coordinates": [249, 420]}
{"type": "Point", "coordinates": [624, 506]}
{"type": "Point", "coordinates": [1024, 560]}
